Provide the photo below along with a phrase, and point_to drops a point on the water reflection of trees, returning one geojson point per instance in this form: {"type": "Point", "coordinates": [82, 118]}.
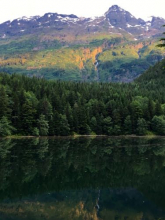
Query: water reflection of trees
{"type": "Point", "coordinates": [36, 166]}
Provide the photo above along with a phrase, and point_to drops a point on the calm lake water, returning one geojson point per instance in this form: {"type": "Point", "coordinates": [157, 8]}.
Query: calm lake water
{"type": "Point", "coordinates": [82, 179]}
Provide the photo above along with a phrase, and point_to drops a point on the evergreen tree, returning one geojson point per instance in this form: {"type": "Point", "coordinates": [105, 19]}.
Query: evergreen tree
{"type": "Point", "coordinates": [116, 117]}
{"type": "Point", "coordinates": [158, 109]}
{"type": "Point", "coordinates": [128, 125]}
{"type": "Point", "coordinates": [136, 112]}
{"type": "Point", "coordinates": [43, 125]}
{"type": "Point", "coordinates": [28, 116]}
{"type": "Point", "coordinates": [64, 129]}
{"type": "Point", "coordinates": [45, 108]}
{"type": "Point", "coordinates": [158, 125]}
{"type": "Point", "coordinates": [107, 126]}
{"type": "Point", "coordinates": [4, 103]}
{"type": "Point", "coordinates": [141, 127]}
{"type": "Point", "coordinates": [6, 128]}
{"type": "Point", "coordinates": [117, 130]}
{"type": "Point", "coordinates": [150, 111]}
{"type": "Point", "coordinates": [35, 132]}
{"type": "Point", "coordinates": [93, 124]}
{"type": "Point", "coordinates": [69, 116]}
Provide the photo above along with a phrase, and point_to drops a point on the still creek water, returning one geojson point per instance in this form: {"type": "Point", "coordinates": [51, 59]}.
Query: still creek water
{"type": "Point", "coordinates": [82, 179]}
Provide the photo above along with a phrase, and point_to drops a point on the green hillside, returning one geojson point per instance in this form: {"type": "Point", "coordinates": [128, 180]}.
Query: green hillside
{"type": "Point", "coordinates": [154, 77]}
{"type": "Point", "coordinates": [117, 58]}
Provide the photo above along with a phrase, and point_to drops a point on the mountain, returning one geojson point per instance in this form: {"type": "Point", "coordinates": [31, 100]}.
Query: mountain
{"type": "Point", "coordinates": [154, 76]}
{"type": "Point", "coordinates": [119, 18]}
{"type": "Point", "coordinates": [114, 47]}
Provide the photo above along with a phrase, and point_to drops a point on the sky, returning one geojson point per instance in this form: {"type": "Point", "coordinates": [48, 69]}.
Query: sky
{"type": "Point", "coordinates": [12, 9]}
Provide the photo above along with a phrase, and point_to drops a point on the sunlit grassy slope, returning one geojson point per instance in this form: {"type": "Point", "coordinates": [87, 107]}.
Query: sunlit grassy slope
{"type": "Point", "coordinates": [90, 57]}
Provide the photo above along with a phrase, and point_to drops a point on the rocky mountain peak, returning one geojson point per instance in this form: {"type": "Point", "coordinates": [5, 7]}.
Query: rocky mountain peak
{"type": "Point", "coordinates": [114, 20]}
{"type": "Point", "coordinates": [119, 18]}
{"type": "Point", "coordinates": [115, 8]}
{"type": "Point", "coordinates": [157, 22]}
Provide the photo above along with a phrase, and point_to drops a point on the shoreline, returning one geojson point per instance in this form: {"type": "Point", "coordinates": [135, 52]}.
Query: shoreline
{"type": "Point", "coordinates": [81, 136]}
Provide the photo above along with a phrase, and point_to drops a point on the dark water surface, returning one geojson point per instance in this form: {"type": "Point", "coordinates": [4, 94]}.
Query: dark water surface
{"type": "Point", "coordinates": [82, 179]}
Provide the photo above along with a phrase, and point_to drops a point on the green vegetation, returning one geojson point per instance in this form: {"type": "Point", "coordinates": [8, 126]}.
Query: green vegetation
{"type": "Point", "coordinates": [32, 106]}
{"type": "Point", "coordinates": [119, 58]}
{"type": "Point", "coordinates": [5, 128]}
{"type": "Point", "coordinates": [126, 62]}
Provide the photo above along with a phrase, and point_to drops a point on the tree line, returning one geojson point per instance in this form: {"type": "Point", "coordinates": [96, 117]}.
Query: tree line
{"type": "Point", "coordinates": [33, 106]}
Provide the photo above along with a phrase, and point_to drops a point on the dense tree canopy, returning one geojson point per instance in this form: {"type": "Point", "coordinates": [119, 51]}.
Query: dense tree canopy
{"type": "Point", "coordinates": [33, 106]}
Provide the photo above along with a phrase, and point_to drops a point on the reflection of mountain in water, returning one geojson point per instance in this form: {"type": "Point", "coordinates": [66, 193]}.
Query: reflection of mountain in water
{"type": "Point", "coordinates": [82, 179]}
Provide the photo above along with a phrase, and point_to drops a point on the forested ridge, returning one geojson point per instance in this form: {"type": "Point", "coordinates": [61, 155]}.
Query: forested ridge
{"type": "Point", "coordinates": [33, 106]}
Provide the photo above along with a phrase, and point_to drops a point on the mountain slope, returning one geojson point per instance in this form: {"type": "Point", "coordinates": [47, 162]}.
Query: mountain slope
{"type": "Point", "coordinates": [114, 47]}
{"type": "Point", "coordinates": [154, 76]}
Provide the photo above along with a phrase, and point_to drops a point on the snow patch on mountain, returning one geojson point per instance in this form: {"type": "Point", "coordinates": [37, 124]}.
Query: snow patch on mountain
{"type": "Point", "coordinates": [24, 18]}
{"type": "Point", "coordinates": [137, 25]}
